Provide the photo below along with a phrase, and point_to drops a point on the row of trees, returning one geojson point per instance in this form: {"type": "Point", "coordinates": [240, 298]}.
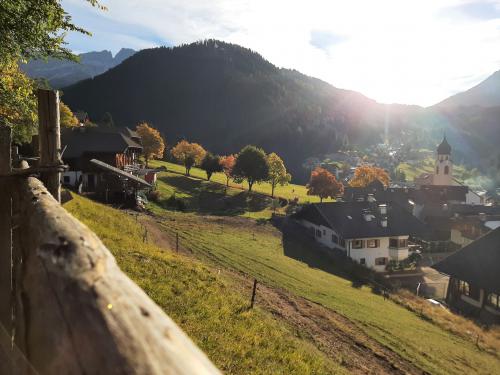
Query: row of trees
{"type": "Point", "coordinates": [252, 165]}
{"type": "Point", "coordinates": [324, 184]}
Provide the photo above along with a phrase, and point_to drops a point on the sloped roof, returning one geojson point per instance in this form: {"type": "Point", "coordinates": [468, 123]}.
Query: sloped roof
{"type": "Point", "coordinates": [477, 263]}
{"type": "Point", "coordinates": [119, 172]}
{"type": "Point", "coordinates": [347, 219]}
{"type": "Point", "coordinates": [439, 194]}
{"type": "Point", "coordinates": [79, 141]}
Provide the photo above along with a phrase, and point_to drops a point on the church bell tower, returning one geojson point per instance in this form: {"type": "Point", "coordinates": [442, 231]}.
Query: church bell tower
{"type": "Point", "coordinates": [444, 166]}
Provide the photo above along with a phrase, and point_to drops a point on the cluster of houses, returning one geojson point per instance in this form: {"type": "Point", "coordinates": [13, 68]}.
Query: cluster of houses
{"type": "Point", "coordinates": [105, 161]}
{"type": "Point", "coordinates": [376, 225]}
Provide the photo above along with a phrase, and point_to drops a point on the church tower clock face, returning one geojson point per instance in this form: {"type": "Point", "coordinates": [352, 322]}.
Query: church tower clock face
{"type": "Point", "coordinates": [444, 166]}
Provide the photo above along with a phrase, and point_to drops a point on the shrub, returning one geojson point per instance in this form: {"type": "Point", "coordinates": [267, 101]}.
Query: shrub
{"type": "Point", "coordinates": [154, 196]}
{"type": "Point", "coordinates": [175, 203]}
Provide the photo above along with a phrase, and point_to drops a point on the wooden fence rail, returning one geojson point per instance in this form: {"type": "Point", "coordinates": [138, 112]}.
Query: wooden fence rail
{"type": "Point", "coordinates": [65, 306]}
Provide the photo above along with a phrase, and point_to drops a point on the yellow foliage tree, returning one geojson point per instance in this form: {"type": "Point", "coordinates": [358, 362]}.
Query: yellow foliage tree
{"type": "Point", "coordinates": [17, 101]}
{"type": "Point", "coordinates": [153, 145]}
{"type": "Point", "coordinates": [67, 118]}
{"type": "Point", "coordinates": [366, 174]}
{"type": "Point", "coordinates": [277, 172]}
{"type": "Point", "coordinates": [188, 154]}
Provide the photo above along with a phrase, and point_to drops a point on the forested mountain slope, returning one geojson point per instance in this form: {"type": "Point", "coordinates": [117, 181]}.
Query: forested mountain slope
{"type": "Point", "coordinates": [225, 96]}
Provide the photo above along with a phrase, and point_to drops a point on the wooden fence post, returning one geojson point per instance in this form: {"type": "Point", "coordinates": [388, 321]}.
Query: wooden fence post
{"type": "Point", "coordinates": [5, 229]}
{"type": "Point", "coordinates": [253, 293]}
{"type": "Point", "coordinates": [50, 140]}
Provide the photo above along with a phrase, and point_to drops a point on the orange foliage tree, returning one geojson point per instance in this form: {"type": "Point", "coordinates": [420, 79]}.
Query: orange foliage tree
{"type": "Point", "coordinates": [152, 142]}
{"type": "Point", "coordinates": [324, 184]}
{"type": "Point", "coordinates": [188, 154]}
{"type": "Point", "coordinates": [366, 174]}
{"type": "Point", "coordinates": [227, 163]}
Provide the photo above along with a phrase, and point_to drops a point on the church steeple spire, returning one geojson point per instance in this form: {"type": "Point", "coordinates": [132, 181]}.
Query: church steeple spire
{"type": "Point", "coordinates": [444, 147]}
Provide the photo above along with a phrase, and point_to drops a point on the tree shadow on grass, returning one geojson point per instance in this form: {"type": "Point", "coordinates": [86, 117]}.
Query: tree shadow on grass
{"type": "Point", "coordinates": [207, 197]}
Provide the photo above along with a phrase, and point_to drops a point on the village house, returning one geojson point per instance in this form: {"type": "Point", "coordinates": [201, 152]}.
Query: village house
{"type": "Point", "coordinates": [371, 233]}
{"type": "Point", "coordinates": [98, 160]}
{"type": "Point", "coordinates": [433, 201]}
{"type": "Point", "coordinates": [474, 285]}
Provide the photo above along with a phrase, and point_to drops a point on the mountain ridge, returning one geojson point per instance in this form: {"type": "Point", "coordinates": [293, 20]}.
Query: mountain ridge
{"type": "Point", "coordinates": [225, 96]}
{"type": "Point", "coordinates": [61, 73]}
{"type": "Point", "coordinates": [484, 94]}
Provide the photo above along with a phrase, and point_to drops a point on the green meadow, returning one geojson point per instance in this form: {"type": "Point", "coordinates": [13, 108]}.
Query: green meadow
{"type": "Point", "coordinates": [205, 304]}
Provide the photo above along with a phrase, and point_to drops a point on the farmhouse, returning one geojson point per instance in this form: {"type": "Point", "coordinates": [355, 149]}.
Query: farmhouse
{"type": "Point", "coordinates": [99, 160]}
{"type": "Point", "coordinates": [369, 232]}
{"type": "Point", "coordinates": [474, 286]}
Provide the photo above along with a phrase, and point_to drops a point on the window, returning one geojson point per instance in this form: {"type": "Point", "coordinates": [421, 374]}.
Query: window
{"type": "Point", "coordinates": [493, 301]}
{"type": "Point", "coordinates": [357, 244]}
{"type": "Point", "coordinates": [380, 261]}
{"type": "Point", "coordinates": [324, 232]}
{"type": "Point", "coordinates": [335, 238]}
{"type": "Point", "coordinates": [463, 287]}
{"type": "Point", "coordinates": [373, 243]}
{"type": "Point", "coordinates": [446, 169]}
{"type": "Point", "coordinates": [398, 243]}
{"type": "Point", "coordinates": [362, 261]}
{"type": "Point", "coordinates": [437, 169]}
{"type": "Point", "coordinates": [318, 233]}
{"type": "Point", "coordinates": [469, 290]}
{"type": "Point", "coordinates": [66, 179]}
{"type": "Point", "coordinates": [342, 242]}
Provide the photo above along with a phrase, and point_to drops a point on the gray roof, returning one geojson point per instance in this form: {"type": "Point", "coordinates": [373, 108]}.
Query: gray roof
{"type": "Point", "coordinates": [477, 263]}
{"type": "Point", "coordinates": [347, 219]}
{"type": "Point", "coordinates": [79, 141]}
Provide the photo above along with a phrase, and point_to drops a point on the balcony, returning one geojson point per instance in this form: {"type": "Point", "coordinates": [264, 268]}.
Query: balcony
{"type": "Point", "coordinates": [398, 254]}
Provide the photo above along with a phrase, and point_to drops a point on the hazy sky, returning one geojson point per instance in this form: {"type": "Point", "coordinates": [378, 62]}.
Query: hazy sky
{"type": "Point", "coordinates": [414, 52]}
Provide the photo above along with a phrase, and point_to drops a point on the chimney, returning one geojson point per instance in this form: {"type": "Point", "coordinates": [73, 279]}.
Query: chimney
{"type": "Point", "coordinates": [382, 208]}
{"type": "Point", "coordinates": [383, 222]}
{"type": "Point", "coordinates": [367, 215]}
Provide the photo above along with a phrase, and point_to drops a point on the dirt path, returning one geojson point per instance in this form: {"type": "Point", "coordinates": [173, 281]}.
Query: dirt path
{"type": "Point", "coordinates": [330, 332]}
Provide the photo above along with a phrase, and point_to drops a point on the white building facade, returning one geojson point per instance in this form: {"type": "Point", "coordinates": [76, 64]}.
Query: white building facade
{"type": "Point", "coordinates": [371, 252]}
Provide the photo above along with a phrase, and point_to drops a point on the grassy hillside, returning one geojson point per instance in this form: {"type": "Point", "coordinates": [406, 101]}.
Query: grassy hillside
{"type": "Point", "coordinates": [290, 191]}
{"type": "Point", "coordinates": [261, 251]}
{"type": "Point", "coordinates": [205, 304]}
{"type": "Point", "coordinates": [460, 172]}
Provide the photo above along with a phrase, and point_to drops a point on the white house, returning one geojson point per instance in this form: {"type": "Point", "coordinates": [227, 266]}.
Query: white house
{"type": "Point", "coordinates": [369, 232]}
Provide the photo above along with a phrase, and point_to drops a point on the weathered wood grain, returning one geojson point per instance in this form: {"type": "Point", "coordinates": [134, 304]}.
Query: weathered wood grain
{"type": "Point", "coordinates": [5, 229]}
{"type": "Point", "coordinates": [49, 132]}
{"type": "Point", "coordinates": [80, 314]}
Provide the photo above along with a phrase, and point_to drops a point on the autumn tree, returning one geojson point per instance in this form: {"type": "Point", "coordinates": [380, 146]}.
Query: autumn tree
{"type": "Point", "coordinates": [211, 164]}
{"type": "Point", "coordinates": [366, 174]}
{"type": "Point", "coordinates": [189, 154]}
{"type": "Point", "coordinates": [227, 163]}
{"type": "Point", "coordinates": [152, 142]}
{"type": "Point", "coordinates": [67, 118]}
{"type": "Point", "coordinates": [277, 172]}
{"type": "Point", "coordinates": [251, 165]}
{"type": "Point", "coordinates": [324, 184]}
